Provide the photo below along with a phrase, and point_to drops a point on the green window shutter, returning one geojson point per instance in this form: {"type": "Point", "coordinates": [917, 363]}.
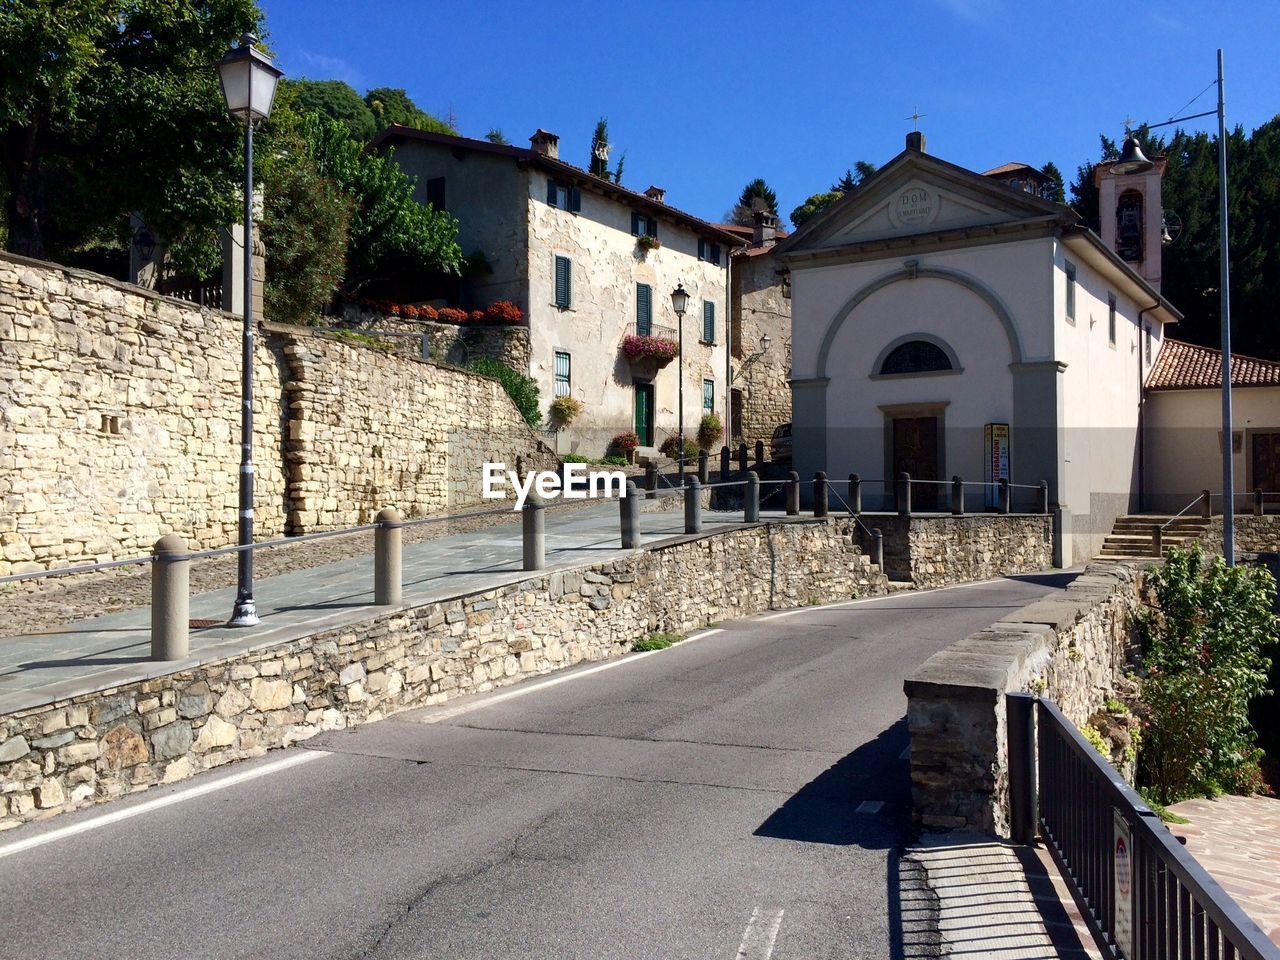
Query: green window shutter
{"type": "Point", "coordinates": [702, 249]}
{"type": "Point", "coordinates": [564, 283]}
{"type": "Point", "coordinates": [551, 192]}
{"type": "Point", "coordinates": [653, 227]}
{"type": "Point", "coordinates": [635, 224]}
{"type": "Point", "coordinates": [644, 309]}
{"type": "Point", "coordinates": [575, 200]}
{"type": "Point", "coordinates": [708, 321]}
{"type": "Point", "coordinates": [715, 253]}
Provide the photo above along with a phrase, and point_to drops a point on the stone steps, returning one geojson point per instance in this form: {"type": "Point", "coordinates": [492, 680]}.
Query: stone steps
{"type": "Point", "coordinates": [1133, 537]}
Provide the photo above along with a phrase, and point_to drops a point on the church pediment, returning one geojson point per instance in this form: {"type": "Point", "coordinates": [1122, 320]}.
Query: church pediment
{"type": "Point", "coordinates": [918, 195]}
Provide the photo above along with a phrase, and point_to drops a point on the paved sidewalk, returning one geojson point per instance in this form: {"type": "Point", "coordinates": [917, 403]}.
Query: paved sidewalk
{"type": "Point", "coordinates": [1237, 839]}
{"type": "Point", "coordinates": [75, 658]}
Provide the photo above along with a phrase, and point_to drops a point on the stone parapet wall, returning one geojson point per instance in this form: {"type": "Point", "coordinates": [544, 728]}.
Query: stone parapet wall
{"type": "Point", "coordinates": [120, 422]}
{"type": "Point", "coordinates": [120, 740]}
{"type": "Point", "coordinates": [937, 550]}
{"type": "Point", "coordinates": [1254, 534]}
{"type": "Point", "coordinates": [458, 344]}
{"type": "Point", "coordinates": [1073, 648]}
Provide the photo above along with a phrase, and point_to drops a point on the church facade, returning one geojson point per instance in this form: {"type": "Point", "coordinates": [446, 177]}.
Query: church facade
{"type": "Point", "coordinates": [949, 323]}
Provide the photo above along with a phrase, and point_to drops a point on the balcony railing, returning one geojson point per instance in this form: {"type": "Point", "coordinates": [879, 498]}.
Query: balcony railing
{"type": "Point", "coordinates": [652, 330]}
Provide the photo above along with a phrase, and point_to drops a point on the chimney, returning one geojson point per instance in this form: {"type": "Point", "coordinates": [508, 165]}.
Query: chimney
{"type": "Point", "coordinates": [547, 144]}
{"type": "Point", "coordinates": [915, 141]}
{"type": "Point", "coordinates": [657, 194]}
{"type": "Point", "coordinates": [764, 228]}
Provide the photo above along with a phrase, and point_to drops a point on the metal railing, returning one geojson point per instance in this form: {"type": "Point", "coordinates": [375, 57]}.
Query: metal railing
{"type": "Point", "coordinates": [651, 330]}
{"type": "Point", "coordinates": [1143, 896]}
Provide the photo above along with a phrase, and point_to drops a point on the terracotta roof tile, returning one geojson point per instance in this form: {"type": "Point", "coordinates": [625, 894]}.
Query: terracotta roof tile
{"type": "Point", "coordinates": [1185, 366]}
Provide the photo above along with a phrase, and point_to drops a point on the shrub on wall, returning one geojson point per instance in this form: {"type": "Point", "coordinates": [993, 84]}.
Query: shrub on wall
{"type": "Point", "coordinates": [504, 311]}
{"type": "Point", "coordinates": [671, 448]}
{"type": "Point", "coordinates": [1205, 644]}
{"type": "Point", "coordinates": [625, 442]}
{"type": "Point", "coordinates": [710, 430]}
{"type": "Point", "coordinates": [522, 390]}
{"type": "Point", "coordinates": [564, 410]}
{"type": "Point", "coordinates": [641, 347]}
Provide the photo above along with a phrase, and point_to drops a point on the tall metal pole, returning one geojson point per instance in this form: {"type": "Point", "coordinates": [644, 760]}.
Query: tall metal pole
{"type": "Point", "coordinates": [680, 391]}
{"type": "Point", "coordinates": [1224, 286]}
{"type": "Point", "coordinates": [246, 613]}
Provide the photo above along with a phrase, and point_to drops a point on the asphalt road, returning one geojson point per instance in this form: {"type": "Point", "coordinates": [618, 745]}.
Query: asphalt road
{"type": "Point", "coordinates": [740, 795]}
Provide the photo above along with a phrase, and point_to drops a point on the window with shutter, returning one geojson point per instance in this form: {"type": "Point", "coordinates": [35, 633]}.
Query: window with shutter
{"type": "Point", "coordinates": [715, 253]}
{"type": "Point", "coordinates": [564, 283]}
{"type": "Point", "coordinates": [644, 309]}
{"type": "Point", "coordinates": [708, 322]}
{"type": "Point", "coordinates": [435, 192]}
{"type": "Point", "coordinates": [702, 249]}
{"type": "Point", "coordinates": [1111, 319]}
{"type": "Point", "coordinates": [708, 396]}
{"type": "Point", "coordinates": [1071, 291]}
{"type": "Point", "coordinates": [562, 374]}
{"type": "Point", "coordinates": [564, 197]}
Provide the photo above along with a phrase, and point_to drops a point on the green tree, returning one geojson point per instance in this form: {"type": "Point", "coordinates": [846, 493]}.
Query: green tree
{"type": "Point", "coordinates": [814, 205]}
{"type": "Point", "coordinates": [1056, 191]}
{"type": "Point", "coordinates": [854, 177]}
{"type": "Point", "coordinates": [600, 148]}
{"type": "Point", "coordinates": [393, 105]}
{"type": "Point", "coordinates": [112, 106]}
{"type": "Point", "coordinates": [334, 99]}
{"type": "Point", "coordinates": [495, 135]}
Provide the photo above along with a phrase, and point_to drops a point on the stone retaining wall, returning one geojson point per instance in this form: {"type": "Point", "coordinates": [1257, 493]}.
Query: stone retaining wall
{"type": "Point", "coordinates": [1254, 534]}
{"type": "Point", "coordinates": [116, 741]}
{"type": "Point", "coordinates": [937, 550]}
{"type": "Point", "coordinates": [1073, 648]}
{"type": "Point", "coordinates": [454, 343]}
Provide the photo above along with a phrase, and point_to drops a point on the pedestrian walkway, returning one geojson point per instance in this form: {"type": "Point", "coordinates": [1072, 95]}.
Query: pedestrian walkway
{"type": "Point", "coordinates": [76, 658]}
{"type": "Point", "coordinates": [1237, 839]}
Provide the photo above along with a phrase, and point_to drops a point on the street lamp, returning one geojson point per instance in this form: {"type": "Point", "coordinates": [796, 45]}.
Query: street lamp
{"type": "Point", "coordinates": [680, 303]}
{"type": "Point", "coordinates": [249, 86]}
{"type": "Point", "coordinates": [1132, 161]}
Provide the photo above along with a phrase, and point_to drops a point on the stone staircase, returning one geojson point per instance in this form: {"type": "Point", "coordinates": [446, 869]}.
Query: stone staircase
{"type": "Point", "coordinates": [1133, 536]}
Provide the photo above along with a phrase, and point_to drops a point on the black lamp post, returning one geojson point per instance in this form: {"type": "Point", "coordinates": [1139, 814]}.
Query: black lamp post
{"type": "Point", "coordinates": [249, 86]}
{"type": "Point", "coordinates": [680, 303]}
{"type": "Point", "coordinates": [1132, 160]}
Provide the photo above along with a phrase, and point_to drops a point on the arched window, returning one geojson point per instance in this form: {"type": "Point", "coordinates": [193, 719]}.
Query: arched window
{"type": "Point", "coordinates": [915, 356]}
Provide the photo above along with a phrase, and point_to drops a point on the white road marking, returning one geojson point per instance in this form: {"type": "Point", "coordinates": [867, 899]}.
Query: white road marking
{"type": "Point", "coordinates": [95, 823]}
{"type": "Point", "coordinates": [870, 806]}
{"type": "Point", "coordinates": [761, 935]}
{"type": "Point", "coordinates": [448, 713]}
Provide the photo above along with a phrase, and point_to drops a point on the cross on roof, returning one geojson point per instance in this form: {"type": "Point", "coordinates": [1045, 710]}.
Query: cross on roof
{"type": "Point", "coordinates": [916, 117]}
{"type": "Point", "coordinates": [1128, 125]}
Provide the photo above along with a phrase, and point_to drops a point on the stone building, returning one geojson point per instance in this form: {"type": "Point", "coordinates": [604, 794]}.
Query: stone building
{"type": "Point", "coordinates": [760, 308]}
{"type": "Point", "coordinates": [947, 323]}
{"type": "Point", "coordinates": [589, 262]}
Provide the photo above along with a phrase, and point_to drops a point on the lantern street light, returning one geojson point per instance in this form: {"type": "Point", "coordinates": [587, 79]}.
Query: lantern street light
{"type": "Point", "coordinates": [1132, 160]}
{"type": "Point", "coordinates": [680, 303]}
{"type": "Point", "coordinates": [249, 85]}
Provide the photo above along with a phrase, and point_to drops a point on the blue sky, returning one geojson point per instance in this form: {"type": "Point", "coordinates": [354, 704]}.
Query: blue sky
{"type": "Point", "coordinates": [704, 96]}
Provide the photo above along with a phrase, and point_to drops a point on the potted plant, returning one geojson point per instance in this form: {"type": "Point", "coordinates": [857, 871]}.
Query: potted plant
{"type": "Point", "coordinates": [710, 429]}
{"type": "Point", "coordinates": [661, 350]}
{"type": "Point", "coordinates": [671, 448]}
{"type": "Point", "coordinates": [564, 410]}
{"type": "Point", "coordinates": [647, 243]}
{"type": "Point", "coordinates": [626, 444]}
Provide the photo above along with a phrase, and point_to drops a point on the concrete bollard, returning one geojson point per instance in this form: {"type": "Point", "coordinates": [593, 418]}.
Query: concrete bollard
{"type": "Point", "coordinates": [650, 479]}
{"type": "Point", "coordinates": [1258, 504]}
{"type": "Point", "coordinates": [903, 494]}
{"type": "Point", "coordinates": [759, 453]}
{"type": "Point", "coordinates": [170, 598]}
{"type": "Point", "coordinates": [742, 456]}
{"type": "Point", "coordinates": [1206, 505]}
{"type": "Point", "coordinates": [793, 494]}
{"type": "Point", "coordinates": [877, 548]}
{"type": "Point", "coordinates": [629, 507]}
{"type": "Point", "coordinates": [704, 466]}
{"type": "Point", "coordinates": [855, 495]}
{"type": "Point", "coordinates": [819, 494]}
{"type": "Point", "coordinates": [1044, 497]}
{"type": "Point", "coordinates": [1002, 496]}
{"type": "Point", "coordinates": [1157, 541]}
{"type": "Point", "coordinates": [725, 459]}
{"type": "Point", "coordinates": [693, 506]}
{"type": "Point", "coordinates": [957, 496]}
{"type": "Point", "coordinates": [535, 537]}
{"type": "Point", "coordinates": [751, 499]}
{"type": "Point", "coordinates": [387, 541]}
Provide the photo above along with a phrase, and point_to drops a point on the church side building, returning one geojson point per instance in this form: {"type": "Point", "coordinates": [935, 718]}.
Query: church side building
{"type": "Point", "coordinates": [948, 323]}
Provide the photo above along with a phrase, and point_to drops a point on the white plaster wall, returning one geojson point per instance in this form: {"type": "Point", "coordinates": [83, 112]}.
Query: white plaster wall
{"type": "Point", "coordinates": [607, 265]}
{"type": "Point", "coordinates": [1181, 433]}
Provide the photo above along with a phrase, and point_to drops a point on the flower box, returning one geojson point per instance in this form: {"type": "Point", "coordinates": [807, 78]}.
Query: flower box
{"type": "Point", "coordinates": [660, 350]}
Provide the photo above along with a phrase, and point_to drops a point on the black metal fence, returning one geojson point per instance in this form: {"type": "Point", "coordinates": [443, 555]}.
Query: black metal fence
{"type": "Point", "coordinates": [1143, 895]}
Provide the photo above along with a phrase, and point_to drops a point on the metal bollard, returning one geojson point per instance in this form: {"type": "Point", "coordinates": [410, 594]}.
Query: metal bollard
{"type": "Point", "coordinates": [903, 493]}
{"type": "Point", "coordinates": [170, 598]}
{"type": "Point", "coordinates": [650, 479]}
{"type": "Point", "coordinates": [1044, 496]}
{"type": "Point", "coordinates": [793, 494]}
{"type": "Point", "coordinates": [855, 495]}
{"type": "Point", "coordinates": [957, 496]}
{"type": "Point", "coordinates": [535, 538]}
{"type": "Point", "coordinates": [693, 506]}
{"type": "Point", "coordinates": [751, 501]}
{"type": "Point", "coordinates": [703, 466]}
{"type": "Point", "coordinates": [877, 548]}
{"type": "Point", "coordinates": [1002, 495]}
{"type": "Point", "coordinates": [1257, 502]}
{"type": "Point", "coordinates": [819, 494]}
{"type": "Point", "coordinates": [1020, 723]}
{"type": "Point", "coordinates": [629, 507]}
{"type": "Point", "coordinates": [742, 456]}
{"type": "Point", "coordinates": [1157, 541]}
{"type": "Point", "coordinates": [759, 452]}
{"type": "Point", "coordinates": [1206, 505]}
{"type": "Point", "coordinates": [725, 457]}
{"type": "Point", "coordinates": [386, 558]}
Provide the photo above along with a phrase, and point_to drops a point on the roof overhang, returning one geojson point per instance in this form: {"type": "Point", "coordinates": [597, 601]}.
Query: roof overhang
{"type": "Point", "coordinates": [1089, 248]}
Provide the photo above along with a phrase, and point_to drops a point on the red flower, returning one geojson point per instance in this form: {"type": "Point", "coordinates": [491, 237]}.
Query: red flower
{"type": "Point", "coordinates": [504, 311]}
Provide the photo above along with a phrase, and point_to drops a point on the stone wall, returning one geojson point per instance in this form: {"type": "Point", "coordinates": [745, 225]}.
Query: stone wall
{"type": "Point", "coordinates": [1254, 534]}
{"type": "Point", "coordinates": [367, 429]}
{"type": "Point", "coordinates": [933, 551]}
{"type": "Point", "coordinates": [458, 344]}
{"type": "Point", "coordinates": [759, 308]}
{"type": "Point", "coordinates": [1072, 648]}
{"type": "Point", "coordinates": [120, 422]}
{"type": "Point", "coordinates": [119, 740]}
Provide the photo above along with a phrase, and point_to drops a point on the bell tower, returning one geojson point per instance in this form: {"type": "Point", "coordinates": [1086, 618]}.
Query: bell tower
{"type": "Point", "coordinates": [1131, 209]}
